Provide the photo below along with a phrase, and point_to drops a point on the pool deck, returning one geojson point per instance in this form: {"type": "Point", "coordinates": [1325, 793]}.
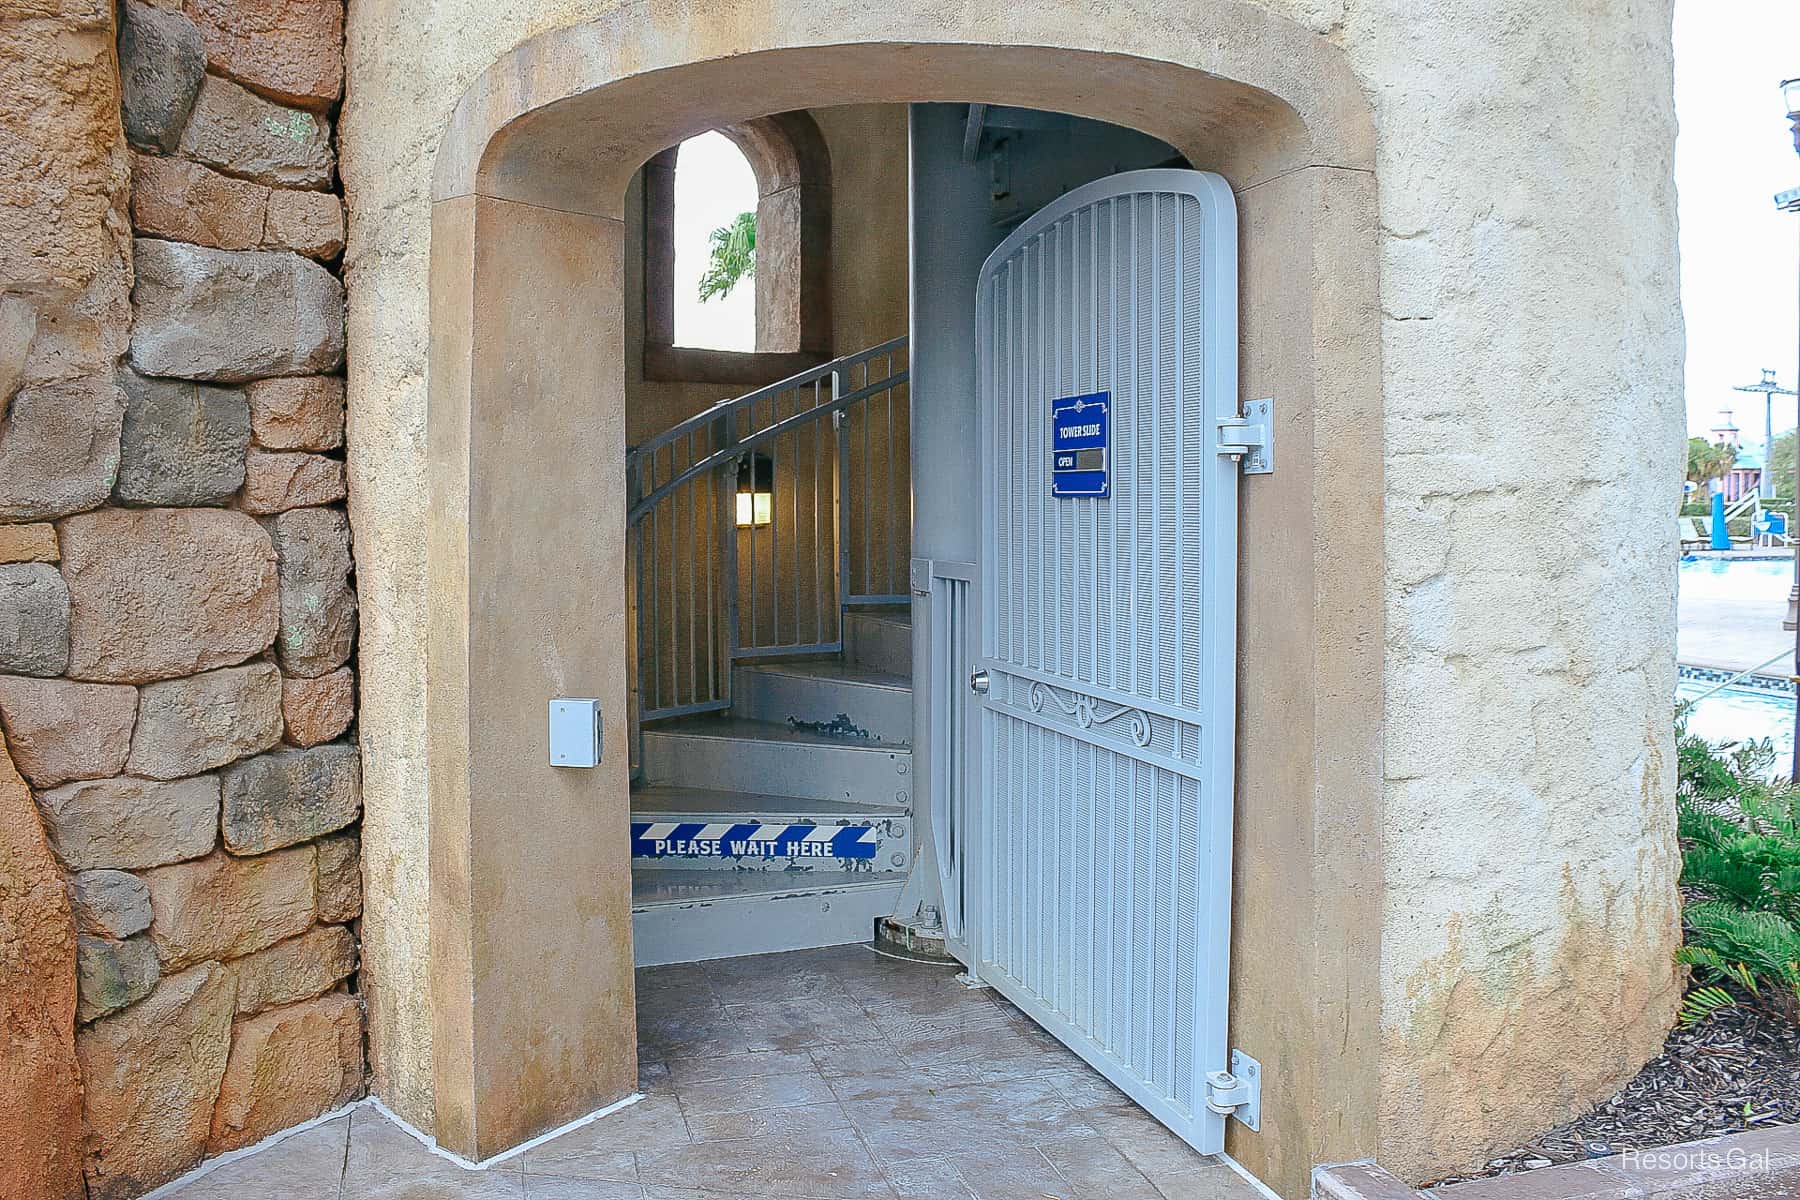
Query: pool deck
{"type": "Point", "coordinates": [1733, 633]}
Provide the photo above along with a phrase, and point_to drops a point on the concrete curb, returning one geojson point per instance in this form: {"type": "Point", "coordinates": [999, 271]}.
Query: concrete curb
{"type": "Point", "coordinates": [1359, 1181]}
{"type": "Point", "coordinates": [1667, 1171]}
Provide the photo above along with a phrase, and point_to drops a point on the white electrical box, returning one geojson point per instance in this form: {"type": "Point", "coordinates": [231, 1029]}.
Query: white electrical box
{"type": "Point", "coordinates": [574, 733]}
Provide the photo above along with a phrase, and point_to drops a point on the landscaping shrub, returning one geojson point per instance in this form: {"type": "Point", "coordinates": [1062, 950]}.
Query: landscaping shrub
{"type": "Point", "coordinates": [1740, 877]}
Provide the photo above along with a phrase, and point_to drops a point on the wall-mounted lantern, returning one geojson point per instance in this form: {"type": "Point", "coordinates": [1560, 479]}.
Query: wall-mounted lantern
{"type": "Point", "coordinates": [755, 491]}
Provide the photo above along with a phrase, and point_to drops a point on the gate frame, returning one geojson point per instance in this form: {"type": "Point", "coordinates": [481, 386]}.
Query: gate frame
{"type": "Point", "coordinates": [1218, 694]}
{"type": "Point", "coordinates": [531, 988]}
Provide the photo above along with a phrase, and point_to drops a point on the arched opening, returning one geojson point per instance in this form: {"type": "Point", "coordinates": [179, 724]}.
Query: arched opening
{"type": "Point", "coordinates": [787, 301]}
{"type": "Point", "coordinates": [524, 176]}
{"type": "Point", "coordinates": [715, 236]}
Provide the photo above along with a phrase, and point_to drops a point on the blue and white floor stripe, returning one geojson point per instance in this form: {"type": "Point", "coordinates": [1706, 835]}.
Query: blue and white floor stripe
{"type": "Point", "coordinates": [725, 839]}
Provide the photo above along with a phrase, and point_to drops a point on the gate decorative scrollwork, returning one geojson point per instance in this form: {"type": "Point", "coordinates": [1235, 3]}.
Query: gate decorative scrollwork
{"type": "Point", "coordinates": [1087, 710]}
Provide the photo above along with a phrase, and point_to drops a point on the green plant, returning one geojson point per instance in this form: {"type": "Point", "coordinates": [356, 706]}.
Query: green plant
{"type": "Point", "coordinates": [1707, 461]}
{"type": "Point", "coordinates": [1740, 873]}
{"type": "Point", "coordinates": [733, 256]}
{"type": "Point", "coordinates": [1781, 464]}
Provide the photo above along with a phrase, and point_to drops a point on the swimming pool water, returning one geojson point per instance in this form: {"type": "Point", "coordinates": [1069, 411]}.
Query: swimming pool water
{"type": "Point", "coordinates": [1744, 578]}
{"type": "Point", "coordinates": [1738, 714]}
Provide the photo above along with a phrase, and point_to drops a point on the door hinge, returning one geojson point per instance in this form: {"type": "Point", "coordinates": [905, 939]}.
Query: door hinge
{"type": "Point", "coordinates": [1250, 438]}
{"type": "Point", "coordinates": [1237, 1092]}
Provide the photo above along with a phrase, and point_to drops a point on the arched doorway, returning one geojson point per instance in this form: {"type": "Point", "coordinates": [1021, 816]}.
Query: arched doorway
{"type": "Point", "coordinates": [531, 1002]}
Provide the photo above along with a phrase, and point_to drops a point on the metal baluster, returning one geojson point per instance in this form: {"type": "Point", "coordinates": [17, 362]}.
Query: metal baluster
{"type": "Point", "coordinates": [888, 575]}
{"type": "Point", "coordinates": [712, 594]}
{"type": "Point", "coordinates": [635, 556]}
{"type": "Point", "coordinates": [841, 420]}
{"type": "Point", "coordinates": [728, 545]}
{"type": "Point", "coordinates": [749, 461]}
{"type": "Point", "coordinates": [868, 519]}
{"type": "Point", "coordinates": [794, 494]}
{"type": "Point", "coordinates": [693, 571]}
{"type": "Point", "coordinates": [656, 605]}
{"type": "Point", "coordinates": [724, 541]}
{"type": "Point", "coordinates": [818, 568]}
{"type": "Point", "coordinates": [774, 451]}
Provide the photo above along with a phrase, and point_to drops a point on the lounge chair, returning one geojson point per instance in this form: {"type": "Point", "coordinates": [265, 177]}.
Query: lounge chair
{"type": "Point", "coordinates": [1692, 536]}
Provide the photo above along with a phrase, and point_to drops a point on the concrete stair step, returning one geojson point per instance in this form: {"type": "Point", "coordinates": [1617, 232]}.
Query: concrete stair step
{"type": "Point", "coordinates": [732, 754]}
{"type": "Point", "coordinates": [827, 695]}
{"type": "Point", "coordinates": [880, 639]}
{"type": "Point", "coordinates": [683, 828]}
{"type": "Point", "coordinates": [689, 916]}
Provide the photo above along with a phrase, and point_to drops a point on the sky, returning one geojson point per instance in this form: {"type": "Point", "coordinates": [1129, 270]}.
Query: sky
{"type": "Point", "coordinates": [713, 184]}
{"type": "Point", "coordinates": [1738, 253]}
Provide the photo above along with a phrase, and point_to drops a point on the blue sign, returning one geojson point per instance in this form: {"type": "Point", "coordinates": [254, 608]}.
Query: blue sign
{"type": "Point", "coordinates": [1080, 441]}
{"type": "Point", "coordinates": [730, 839]}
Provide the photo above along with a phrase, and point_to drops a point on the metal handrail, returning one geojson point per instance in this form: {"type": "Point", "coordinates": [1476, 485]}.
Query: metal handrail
{"type": "Point", "coordinates": [727, 455]}
{"type": "Point", "coordinates": [832, 530]}
{"type": "Point", "coordinates": [725, 408]}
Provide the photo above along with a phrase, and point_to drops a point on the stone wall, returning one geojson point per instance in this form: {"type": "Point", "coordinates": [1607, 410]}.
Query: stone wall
{"type": "Point", "coordinates": [177, 610]}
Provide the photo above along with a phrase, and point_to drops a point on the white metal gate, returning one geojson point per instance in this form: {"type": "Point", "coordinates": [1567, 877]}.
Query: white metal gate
{"type": "Point", "coordinates": [1100, 896]}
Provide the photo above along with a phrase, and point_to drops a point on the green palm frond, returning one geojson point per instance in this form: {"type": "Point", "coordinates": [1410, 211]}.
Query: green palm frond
{"type": "Point", "coordinates": [1740, 869]}
{"type": "Point", "coordinates": [1702, 1003]}
{"type": "Point", "coordinates": [733, 256]}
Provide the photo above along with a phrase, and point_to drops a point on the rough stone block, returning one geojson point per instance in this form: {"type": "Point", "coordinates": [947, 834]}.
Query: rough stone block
{"type": "Point", "coordinates": [61, 730]}
{"type": "Point", "coordinates": [297, 969]}
{"type": "Point", "coordinates": [242, 134]}
{"type": "Point", "coordinates": [340, 877]}
{"type": "Point", "coordinates": [318, 605]}
{"type": "Point", "coordinates": [165, 592]}
{"type": "Point", "coordinates": [223, 907]}
{"type": "Point", "coordinates": [131, 824]}
{"type": "Point", "coordinates": [42, 1137]}
{"type": "Point", "coordinates": [151, 1076]}
{"type": "Point", "coordinates": [110, 974]}
{"type": "Point", "coordinates": [174, 198]}
{"type": "Point", "coordinates": [34, 619]}
{"type": "Point", "coordinates": [233, 315]}
{"type": "Point", "coordinates": [318, 710]}
{"type": "Point", "coordinates": [186, 726]}
{"type": "Point", "coordinates": [275, 481]}
{"type": "Point", "coordinates": [162, 60]}
{"type": "Point", "coordinates": [183, 442]}
{"type": "Point", "coordinates": [290, 796]}
{"type": "Point", "coordinates": [287, 1066]}
{"type": "Point", "coordinates": [301, 413]}
{"type": "Point", "coordinates": [289, 50]}
{"type": "Point", "coordinates": [310, 223]}
{"type": "Point", "coordinates": [59, 448]}
{"type": "Point", "coordinates": [28, 544]}
{"type": "Point", "coordinates": [109, 903]}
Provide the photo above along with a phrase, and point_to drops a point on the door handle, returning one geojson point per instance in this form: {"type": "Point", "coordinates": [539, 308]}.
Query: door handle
{"type": "Point", "coordinates": [978, 682]}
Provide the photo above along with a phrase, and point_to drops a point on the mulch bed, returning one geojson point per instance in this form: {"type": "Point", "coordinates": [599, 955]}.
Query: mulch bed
{"type": "Point", "coordinates": [1739, 1069]}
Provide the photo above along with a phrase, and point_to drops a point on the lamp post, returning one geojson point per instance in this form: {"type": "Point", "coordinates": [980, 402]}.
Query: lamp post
{"type": "Point", "coordinates": [1789, 201]}
{"type": "Point", "coordinates": [1765, 484]}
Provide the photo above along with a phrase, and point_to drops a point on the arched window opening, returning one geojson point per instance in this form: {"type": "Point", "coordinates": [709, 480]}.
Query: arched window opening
{"type": "Point", "coordinates": [715, 230]}
{"type": "Point", "coordinates": [774, 321]}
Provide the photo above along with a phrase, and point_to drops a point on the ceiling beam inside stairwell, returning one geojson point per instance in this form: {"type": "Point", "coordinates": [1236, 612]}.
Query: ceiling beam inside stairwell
{"type": "Point", "coordinates": [972, 132]}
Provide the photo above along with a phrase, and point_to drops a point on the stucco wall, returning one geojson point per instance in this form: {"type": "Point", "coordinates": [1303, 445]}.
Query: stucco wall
{"type": "Point", "coordinates": [1532, 344]}
{"type": "Point", "coordinates": [1530, 340]}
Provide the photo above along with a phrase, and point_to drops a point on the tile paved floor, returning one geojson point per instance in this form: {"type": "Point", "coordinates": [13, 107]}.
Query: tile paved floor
{"type": "Point", "coordinates": [817, 1075]}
